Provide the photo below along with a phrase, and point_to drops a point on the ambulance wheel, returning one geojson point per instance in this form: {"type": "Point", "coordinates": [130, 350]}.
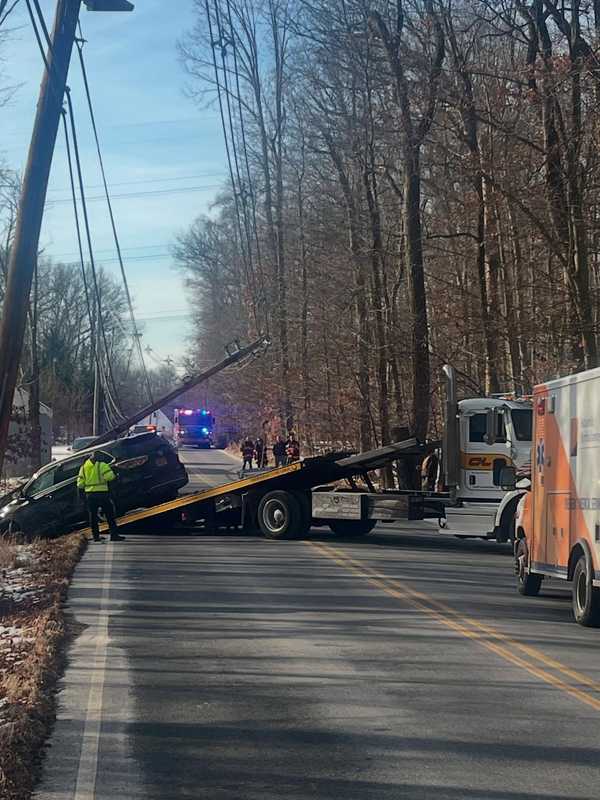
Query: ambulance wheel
{"type": "Point", "coordinates": [353, 528]}
{"type": "Point", "coordinates": [586, 598]}
{"type": "Point", "coordinates": [280, 516]}
{"type": "Point", "coordinates": [528, 583]}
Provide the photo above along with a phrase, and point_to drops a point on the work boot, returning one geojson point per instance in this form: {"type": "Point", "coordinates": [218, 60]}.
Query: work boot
{"type": "Point", "coordinates": [116, 538]}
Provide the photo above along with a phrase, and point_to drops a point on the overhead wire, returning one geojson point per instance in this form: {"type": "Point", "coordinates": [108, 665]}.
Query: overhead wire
{"type": "Point", "coordinates": [80, 43]}
{"type": "Point", "coordinates": [111, 383]}
{"type": "Point", "coordinates": [242, 192]}
{"type": "Point", "coordinates": [236, 71]}
{"type": "Point", "coordinates": [213, 44]}
{"type": "Point", "coordinates": [108, 374]}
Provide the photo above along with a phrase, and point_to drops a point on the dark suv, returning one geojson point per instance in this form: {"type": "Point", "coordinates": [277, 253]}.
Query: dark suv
{"type": "Point", "coordinates": [148, 472]}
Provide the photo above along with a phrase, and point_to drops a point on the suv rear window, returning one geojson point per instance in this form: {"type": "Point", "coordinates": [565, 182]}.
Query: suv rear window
{"type": "Point", "coordinates": [139, 445]}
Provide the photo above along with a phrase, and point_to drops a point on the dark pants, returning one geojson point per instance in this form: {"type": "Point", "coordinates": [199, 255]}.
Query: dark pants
{"type": "Point", "coordinates": [280, 461]}
{"type": "Point", "coordinates": [95, 502]}
{"type": "Point", "coordinates": [247, 460]}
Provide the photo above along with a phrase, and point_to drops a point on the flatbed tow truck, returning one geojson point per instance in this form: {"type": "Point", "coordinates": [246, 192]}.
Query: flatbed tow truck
{"type": "Point", "coordinates": [284, 502]}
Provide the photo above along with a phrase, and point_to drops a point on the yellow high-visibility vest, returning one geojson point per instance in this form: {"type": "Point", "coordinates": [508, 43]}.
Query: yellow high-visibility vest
{"type": "Point", "coordinates": [94, 476]}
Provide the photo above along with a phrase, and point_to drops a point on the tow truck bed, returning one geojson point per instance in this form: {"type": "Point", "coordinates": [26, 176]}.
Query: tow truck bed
{"type": "Point", "coordinates": [244, 498]}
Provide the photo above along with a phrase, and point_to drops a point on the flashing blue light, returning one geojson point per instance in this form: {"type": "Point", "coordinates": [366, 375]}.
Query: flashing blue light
{"type": "Point", "coordinates": [205, 431]}
{"type": "Point", "coordinates": [204, 412]}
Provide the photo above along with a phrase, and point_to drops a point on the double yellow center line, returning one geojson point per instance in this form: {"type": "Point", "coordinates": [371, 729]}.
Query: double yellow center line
{"type": "Point", "coordinates": [532, 660]}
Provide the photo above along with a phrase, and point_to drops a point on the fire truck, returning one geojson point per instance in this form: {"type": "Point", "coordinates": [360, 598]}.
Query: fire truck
{"type": "Point", "coordinates": [194, 427]}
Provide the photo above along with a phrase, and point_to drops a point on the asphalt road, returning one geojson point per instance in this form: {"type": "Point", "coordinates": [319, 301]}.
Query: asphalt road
{"type": "Point", "coordinates": [403, 666]}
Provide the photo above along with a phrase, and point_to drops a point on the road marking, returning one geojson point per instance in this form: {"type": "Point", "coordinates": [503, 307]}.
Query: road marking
{"type": "Point", "coordinates": [87, 772]}
{"type": "Point", "coordinates": [470, 628]}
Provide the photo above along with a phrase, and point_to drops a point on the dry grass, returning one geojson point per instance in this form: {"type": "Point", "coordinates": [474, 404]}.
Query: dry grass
{"type": "Point", "coordinates": [27, 687]}
{"type": "Point", "coordinates": [8, 553]}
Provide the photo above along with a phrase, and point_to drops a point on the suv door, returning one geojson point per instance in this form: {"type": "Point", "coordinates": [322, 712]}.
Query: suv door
{"type": "Point", "coordinates": [70, 508]}
{"type": "Point", "coordinates": [39, 516]}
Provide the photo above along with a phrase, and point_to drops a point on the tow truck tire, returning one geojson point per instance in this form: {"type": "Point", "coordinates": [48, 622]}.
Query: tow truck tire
{"type": "Point", "coordinates": [280, 516]}
{"type": "Point", "coordinates": [586, 598]}
{"type": "Point", "coordinates": [352, 527]}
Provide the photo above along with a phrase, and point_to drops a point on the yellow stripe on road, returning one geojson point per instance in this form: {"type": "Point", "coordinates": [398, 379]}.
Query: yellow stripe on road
{"type": "Point", "coordinates": [470, 628]}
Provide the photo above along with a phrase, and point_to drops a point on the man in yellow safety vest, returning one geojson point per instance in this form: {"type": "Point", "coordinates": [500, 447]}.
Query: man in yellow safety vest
{"type": "Point", "coordinates": [93, 479]}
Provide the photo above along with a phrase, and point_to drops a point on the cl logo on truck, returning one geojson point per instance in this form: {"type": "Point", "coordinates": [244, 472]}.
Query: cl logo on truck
{"type": "Point", "coordinates": [479, 461]}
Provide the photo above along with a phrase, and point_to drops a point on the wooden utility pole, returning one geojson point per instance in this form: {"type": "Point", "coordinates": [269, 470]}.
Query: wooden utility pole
{"type": "Point", "coordinates": [24, 251]}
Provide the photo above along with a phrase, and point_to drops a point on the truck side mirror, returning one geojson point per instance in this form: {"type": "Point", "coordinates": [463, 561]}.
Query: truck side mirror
{"type": "Point", "coordinates": [507, 478]}
{"type": "Point", "coordinates": [491, 426]}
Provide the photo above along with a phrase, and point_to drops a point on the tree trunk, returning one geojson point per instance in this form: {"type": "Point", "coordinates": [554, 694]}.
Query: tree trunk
{"type": "Point", "coordinates": [418, 298]}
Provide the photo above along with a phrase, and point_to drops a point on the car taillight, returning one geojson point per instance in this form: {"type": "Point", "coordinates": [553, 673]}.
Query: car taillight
{"type": "Point", "coordinates": [132, 463]}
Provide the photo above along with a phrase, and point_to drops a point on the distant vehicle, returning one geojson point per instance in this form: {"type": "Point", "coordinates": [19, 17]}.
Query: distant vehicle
{"type": "Point", "coordinates": [81, 442]}
{"type": "Point", "coordinates": [148, 471]}
{"type": "Point", "coordinates": [143, 429]}
{"type": "Point", "coordinates": [194, 427]}
{"type": "Point", "coordinates": [156, 421]}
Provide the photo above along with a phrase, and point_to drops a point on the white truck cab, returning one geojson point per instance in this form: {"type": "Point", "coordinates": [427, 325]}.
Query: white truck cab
{"type": "Point", "coordinates": [483, 435]}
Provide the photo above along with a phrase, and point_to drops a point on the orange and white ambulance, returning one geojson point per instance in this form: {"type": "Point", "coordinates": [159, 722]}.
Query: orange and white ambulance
{"type": "Point", "coordinates": [558, 521]}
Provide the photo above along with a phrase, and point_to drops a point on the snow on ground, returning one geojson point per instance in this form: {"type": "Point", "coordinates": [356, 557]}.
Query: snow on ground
{"type": "Point", "coordinates": [20, 593]}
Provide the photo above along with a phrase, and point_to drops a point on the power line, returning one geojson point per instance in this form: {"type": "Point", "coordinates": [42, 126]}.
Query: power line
{"type": "Point", "coordinates": [44, 28]}
{"type": "Point", "coordinates": [242, 192]}
{"type": "Point", "coordinates": [80, 43]}
{"type": "Point", "coordinates": [262, 299]}
{"type": "Point", "coordinates": [150, 180]}
{"type": "Point", "coordinates": [138, 195]}
{"type": "Point", "coordinates": [213, 45]}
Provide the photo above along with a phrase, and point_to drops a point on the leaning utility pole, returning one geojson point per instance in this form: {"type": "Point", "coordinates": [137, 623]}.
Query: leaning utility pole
{"type": "Point", "coordinates": [24, 250]}
{"type": "Point", "coordinates": [238, 355]}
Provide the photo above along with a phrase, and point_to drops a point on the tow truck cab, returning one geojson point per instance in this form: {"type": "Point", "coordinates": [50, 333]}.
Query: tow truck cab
{"type": "Point", "coordinates": [483, 435]}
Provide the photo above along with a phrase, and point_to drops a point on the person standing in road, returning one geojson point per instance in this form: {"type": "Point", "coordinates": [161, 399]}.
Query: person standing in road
{"type": "Point", "coordinates": [247, 452]}
{"type": "Point", "coordinates": [279, 452]}
{"type": "Point", "coordinates": [292, 449]}
{"type": "Point", "coordinates": [261, 452]}
{"type": "Point", "coordinates": [94, 478]}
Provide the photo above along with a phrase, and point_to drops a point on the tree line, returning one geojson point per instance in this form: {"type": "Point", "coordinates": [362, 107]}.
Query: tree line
{"type": "Point", "coordinates": [413, 182]}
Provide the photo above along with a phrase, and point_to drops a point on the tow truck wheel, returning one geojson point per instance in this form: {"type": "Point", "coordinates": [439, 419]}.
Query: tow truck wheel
{"type": "Point", "coordinates": [352, 527]}
{"type": "Point", "coordinates": [528, 583]}
{"type": "Point", "coordinates": [280, 516]}
{"type": "Point", "coordinates": [586, 598]}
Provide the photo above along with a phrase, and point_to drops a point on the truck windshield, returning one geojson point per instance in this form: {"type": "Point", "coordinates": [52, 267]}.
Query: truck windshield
{"type": "Point", "coordinates": [522, 420]}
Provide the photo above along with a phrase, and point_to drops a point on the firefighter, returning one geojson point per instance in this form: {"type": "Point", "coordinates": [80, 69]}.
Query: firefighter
{"type": "Point", "coordinates": [93, 480]}
{"type": "Point", "coordinates": [261, 452]}
{"type": "Point", "coordinates": [292, 449]}
{"type": "Point", "coordinates": [279, 452]}
{"type": "Point", "coordinates": [247, 452]}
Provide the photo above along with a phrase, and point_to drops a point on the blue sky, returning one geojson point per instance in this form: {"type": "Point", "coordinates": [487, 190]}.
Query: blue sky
{"type": "Point", "coordinates": [164, 157]}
